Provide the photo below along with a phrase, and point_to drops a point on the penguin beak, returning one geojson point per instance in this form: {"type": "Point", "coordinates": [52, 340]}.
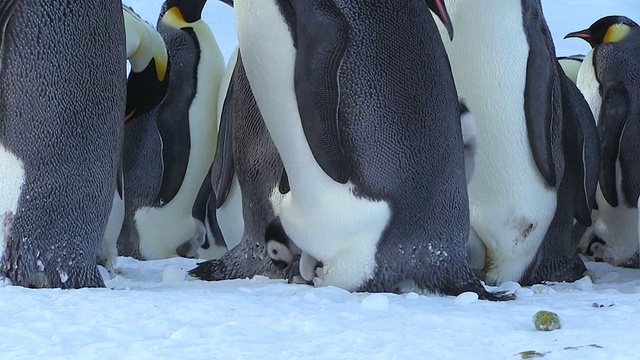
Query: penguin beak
{"type": "Point", "coordinates": [228, 2]}
{"type": "Point", "coordinates": [437, 6]}
{"type": "Point", "coordinates": [582, 34]}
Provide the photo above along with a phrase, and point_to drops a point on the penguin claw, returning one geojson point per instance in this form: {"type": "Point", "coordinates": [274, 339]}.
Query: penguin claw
{"type": "Point", "coordinates": [293, 273]}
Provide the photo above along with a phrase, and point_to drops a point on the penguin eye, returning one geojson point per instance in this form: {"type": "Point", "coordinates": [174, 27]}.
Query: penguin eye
{"type": "Point", "coordinates": [274, 251]}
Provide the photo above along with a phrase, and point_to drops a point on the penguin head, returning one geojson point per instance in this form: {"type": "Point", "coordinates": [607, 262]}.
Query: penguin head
{"type": "Point", "coordinates": [182, 11]}
{"type": "Point", "coordinates": [607, 29]}
{"type": "Point", "coordinates": [437, 6]}
{"type": "Point", "coordinates": [280, 248]}
{"type": "Point", "coordinates": [147, 53]}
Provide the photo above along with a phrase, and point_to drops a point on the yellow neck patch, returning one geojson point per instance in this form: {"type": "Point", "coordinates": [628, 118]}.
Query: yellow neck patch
{"type": "Point", "coordinates": [173, 17]}
{"type": "Point", "coordinates": [616, 32]}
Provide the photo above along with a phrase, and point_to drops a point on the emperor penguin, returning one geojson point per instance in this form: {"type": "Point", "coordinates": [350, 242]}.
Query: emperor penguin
{"type": "Point", "coordinates": [63, 102]}
{"type": "Point", "coordinates": [246, 157]}
{"type": "Point", "coordinates": [146, 87]}
{"type": "Point", "coordinates": [364, 113]}
{"type": "Point", "coordinates": [609, 79]}
{"type": "Point", "coordinates": [537, 158]}
{"type": "Point", "coordinates": [168, 151]}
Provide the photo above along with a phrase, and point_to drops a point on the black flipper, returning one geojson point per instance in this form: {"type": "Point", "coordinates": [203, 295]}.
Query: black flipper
{"type": "Point", "coordinates": [611, 124]}
{"type": "Point", "coordinates": [581, 127]}
{"type": "Point", "coordinates": [214, 225]}
{"type": "Point", "coordinates": [223, 164]}
{"type": "Point", "coordinates": [176, 144]}
{"type": "Point", "coordinates": [322, 40]}
{"type": "Point", "coordinates": [6, 10]}
{"type": "Point", "coordinates": [539, 89]}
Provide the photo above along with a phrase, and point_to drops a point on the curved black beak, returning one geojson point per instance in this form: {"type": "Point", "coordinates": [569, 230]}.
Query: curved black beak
{"type": "Point", "coordinates": [582, 34]}
{"type": "Point", "coordinates": [437, 6]}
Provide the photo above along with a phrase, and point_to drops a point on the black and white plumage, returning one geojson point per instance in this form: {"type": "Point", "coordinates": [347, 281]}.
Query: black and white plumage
{"type": "Point", "coordinates": [63, 96]}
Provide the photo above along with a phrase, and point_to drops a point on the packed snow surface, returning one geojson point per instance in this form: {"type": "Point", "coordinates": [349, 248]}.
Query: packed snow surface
{"type": "Point", "coordinates": [154, 310]}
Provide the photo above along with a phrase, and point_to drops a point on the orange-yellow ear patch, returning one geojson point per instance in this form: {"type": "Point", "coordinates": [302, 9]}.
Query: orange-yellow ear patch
{"type": "Point", "coordinates": [174, 18]}
{"type": "Point", "coordinates": [616, 32]}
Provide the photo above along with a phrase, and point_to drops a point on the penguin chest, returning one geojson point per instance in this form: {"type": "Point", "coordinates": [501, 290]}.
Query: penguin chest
{"type": "Point", "coordinates": [589, 86]}
{"type": "Point", "coordinates": [12, 177]}
{"type": "Point", "coordinates": [322, 217]}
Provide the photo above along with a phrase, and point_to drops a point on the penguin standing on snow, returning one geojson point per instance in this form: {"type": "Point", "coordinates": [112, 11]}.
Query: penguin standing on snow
{"type": "Point", "coordinates": [168, 150]}
{"type": "Point", "coordinates": [364, 113]}
{"type": "Point", "coordinates": [146, 87]}
{"type": "Point", "coordinates": [247, 156]}
{"type": "Point", "coordinates": [532, 122]}
{"type": "Point", "coordinates": [63, 101]}
{"type": "Point", "coordinates": [609, 78]}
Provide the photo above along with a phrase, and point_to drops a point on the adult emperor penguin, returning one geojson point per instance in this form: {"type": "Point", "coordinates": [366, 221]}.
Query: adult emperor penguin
{"type": "Point", "coordinates": [364, 113]}
{"type": "Point", "coordinates": [609, 80]}
{"type": "Point", "coordinates": [246, 151]}
{"type": "Point", "coordinates": [245, 156]}
{"type": "Point", "coordinates": [168, 151]}
{"type": "Point", "coordinates": [146, 87]}
{"type": "Point", "coordinates": [532, 122]}
{"type": "Point", "coordinates": [63, 101]}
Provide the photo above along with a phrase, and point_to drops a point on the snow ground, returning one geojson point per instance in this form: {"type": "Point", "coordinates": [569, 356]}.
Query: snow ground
{"type": "Point", "coordinates": [153, 310]}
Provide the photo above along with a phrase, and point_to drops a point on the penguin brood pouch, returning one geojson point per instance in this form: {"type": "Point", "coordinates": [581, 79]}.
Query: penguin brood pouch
{"type": "Point", "coordinates": [62, 101]}
{"type": "Point", "coordinates": [360, 102]}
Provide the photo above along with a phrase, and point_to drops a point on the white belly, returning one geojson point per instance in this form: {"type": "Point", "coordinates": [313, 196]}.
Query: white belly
{"type": "Point", "coordinates": [11, 180]}
{"type": "Point", "coordinates": [230, 216]}
{"type": "Point", "coordinates": [320, 215]}
{"type": "Point", "coordinates": [510, 206]}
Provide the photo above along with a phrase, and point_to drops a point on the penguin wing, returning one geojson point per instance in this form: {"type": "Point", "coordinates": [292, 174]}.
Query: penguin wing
{"type": "Point", "coordinates": [320, 50]}
{"type": "Point", "coordinates": [581, 127]}
{"type": "Point", "coordinates": [223, 167]}
{"type": "Point", "coordinates": [6, 10]}
{"type": "Point", "coordinates": [176, 146]}
{"type": "Point", "coordinates": [611, 123]}
{"type": "Point", "coordinates": [541, 93]}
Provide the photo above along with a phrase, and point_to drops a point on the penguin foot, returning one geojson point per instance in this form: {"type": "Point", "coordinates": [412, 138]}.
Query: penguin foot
{"type": "Point", "coordinates": [497, 296]}
{"type": "Point", "coordinates": [39, 264]}
{"type": "Point", "coordinates": [293, 273]}
{"type": "Point", "coordinates": [484, 294]}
